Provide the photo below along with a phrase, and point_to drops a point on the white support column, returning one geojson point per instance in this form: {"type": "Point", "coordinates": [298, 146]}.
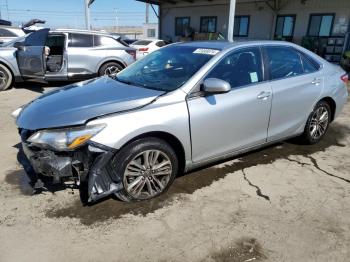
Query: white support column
{"type": "Point", "coordinates": [87, 15]}
{"type": "Point", "coordinates": [231, 20]}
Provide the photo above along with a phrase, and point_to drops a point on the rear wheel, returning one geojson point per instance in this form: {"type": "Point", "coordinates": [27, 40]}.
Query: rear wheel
{"type": "Point", "coordinates": [110, 69]}
{"type": "Point", "coordinates": [317, 123]}
{"type": "Point", "coordinates": [5, 78]}
{"type": "Point", "coordinates": [147, 167]}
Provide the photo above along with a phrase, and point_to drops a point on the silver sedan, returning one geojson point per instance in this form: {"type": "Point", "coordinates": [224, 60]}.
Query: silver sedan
{"type": "Point", "coordinates": [181, 107]}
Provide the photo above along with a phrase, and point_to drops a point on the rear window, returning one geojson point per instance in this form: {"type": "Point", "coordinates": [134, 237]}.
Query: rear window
{"type": "Point", "coordinates": [309, 64]}
{"type": "Point", "coordinates": [81, 40]}
{"type": "Point", "coordinates": [142, 42]}
{"type": "Point", "coordinates": [284, 62]}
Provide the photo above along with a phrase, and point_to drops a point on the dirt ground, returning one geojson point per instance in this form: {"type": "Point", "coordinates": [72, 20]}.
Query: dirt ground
{"type": "Point", "coordinates": [286, 202]}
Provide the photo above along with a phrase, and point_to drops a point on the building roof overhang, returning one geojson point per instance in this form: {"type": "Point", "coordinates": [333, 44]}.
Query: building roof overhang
{"type": "Point", "coordinates": [174, 2]}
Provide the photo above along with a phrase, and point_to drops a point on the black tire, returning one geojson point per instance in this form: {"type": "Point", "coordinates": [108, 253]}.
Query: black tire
{"type": "Point", "coordinates": [5, 78]}
{"type": "Point", "coordinates": [308, 136]}
{"type": "Point", "coordinates": [110, 69]}
{"type": "Point", "coordinates": [123, 158]}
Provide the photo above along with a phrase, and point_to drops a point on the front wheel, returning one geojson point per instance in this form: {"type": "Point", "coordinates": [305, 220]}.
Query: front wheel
{"type": "Point", "coordinates": [147, 168]}
{"type": "Point", "coordinates": [317, 123]}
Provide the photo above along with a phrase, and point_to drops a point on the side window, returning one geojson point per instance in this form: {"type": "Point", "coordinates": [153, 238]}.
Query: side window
{"type": "Point", "coordinates": [283, 62]}
{"type": "Point", "coordinates": [240, 68]}
{"type": "Point", "coordinates": [80, 40]}
{"type": "Point", "coordinates": [100, 40]}
{"type": "Point", "coordinates": [308, 64]}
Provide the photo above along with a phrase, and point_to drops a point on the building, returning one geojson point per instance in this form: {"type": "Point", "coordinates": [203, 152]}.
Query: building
{"type": "Point", "coordinates": [320, 25]}
{"type": "Point", "coordinates": [150, 31]}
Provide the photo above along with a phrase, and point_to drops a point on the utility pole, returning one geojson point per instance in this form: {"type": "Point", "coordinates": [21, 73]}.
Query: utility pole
{"type": "Point", "coordinates": [147, 13]}
{"type": "Point", "coordinates": [116, 20]}
{"type": "Point", "coordinates": [231, 20]}
{"type": "Point", "coordinates": [87, 4]}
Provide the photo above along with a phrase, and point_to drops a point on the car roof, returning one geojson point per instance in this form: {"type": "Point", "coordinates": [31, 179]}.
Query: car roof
{"type": "Point", "coordinates": [222, 45]}
{"type": "Point", "coordinates": [82, 31]}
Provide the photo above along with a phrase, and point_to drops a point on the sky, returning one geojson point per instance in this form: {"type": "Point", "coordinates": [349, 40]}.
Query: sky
{"type": "Point", "coordinates": [70, 13]}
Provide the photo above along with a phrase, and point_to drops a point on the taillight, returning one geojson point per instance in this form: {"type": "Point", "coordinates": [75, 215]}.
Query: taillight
{"type": "Point", "coordinates": [143, 49]}
{"type": "Point", "coordinates": [345, 78]}
{"type": "Point", "coordinates": [132, 53]}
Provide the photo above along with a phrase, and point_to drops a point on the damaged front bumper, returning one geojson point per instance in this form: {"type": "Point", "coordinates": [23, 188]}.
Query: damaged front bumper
{"type": "Point", "coordinates": [90, 166]}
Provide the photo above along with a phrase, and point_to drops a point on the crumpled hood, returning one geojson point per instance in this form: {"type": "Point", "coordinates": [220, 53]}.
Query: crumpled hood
{"type": "Point", "coordinates": [77, 103]}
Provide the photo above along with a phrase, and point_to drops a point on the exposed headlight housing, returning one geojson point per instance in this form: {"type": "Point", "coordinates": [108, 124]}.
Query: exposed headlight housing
{"type": "Point", "coordinates": [16, 113]}
{"type": "Point", "coordinates": [66, 139]}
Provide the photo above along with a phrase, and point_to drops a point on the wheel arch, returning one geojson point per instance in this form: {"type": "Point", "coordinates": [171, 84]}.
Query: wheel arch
{"type": "Point", "coordinates": [330, 101]}
{"type": "Point", "coordinates": [172, 140]}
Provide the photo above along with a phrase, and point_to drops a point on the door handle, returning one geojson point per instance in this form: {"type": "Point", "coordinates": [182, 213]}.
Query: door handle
{"type": "Point", "coordinates": [264, 95]}
{"type": "Point", "coordinates": [316, 81]}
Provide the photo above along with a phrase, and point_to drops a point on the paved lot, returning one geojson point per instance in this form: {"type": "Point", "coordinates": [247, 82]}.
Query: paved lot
{"type": "Point", "coordinates": [284, 203]}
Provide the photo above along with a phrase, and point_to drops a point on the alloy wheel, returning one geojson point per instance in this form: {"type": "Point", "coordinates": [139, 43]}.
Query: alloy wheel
{"type": "Point", "coordinates": [147, 174]}
{"type": "Point", "coordinates": [3, 79]}
{"type": "Point", "coordinates": [112, 71]}
{"type": "Point", "coordinates": [319, 122]}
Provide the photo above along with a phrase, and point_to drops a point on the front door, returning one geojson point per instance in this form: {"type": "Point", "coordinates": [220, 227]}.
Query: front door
{"type": "Point", "coordinates": [31, 57]}
{"type": "Point", "coordinates": [223, 123]}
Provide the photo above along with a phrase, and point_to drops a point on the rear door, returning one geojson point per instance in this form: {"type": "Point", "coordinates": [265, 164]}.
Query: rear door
{"type": "Point", "coordinates": [83, 58]}
{"type": "Point", "coordinates": [31, 57]}
{"type": "Point", "coordinates": [296, 84]}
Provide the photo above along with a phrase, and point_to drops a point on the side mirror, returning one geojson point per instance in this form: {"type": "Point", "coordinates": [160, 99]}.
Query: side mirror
{"type": "Point", "coordinates": [18, 45]}
{"type": "Point", "coordinates": [216, 86]}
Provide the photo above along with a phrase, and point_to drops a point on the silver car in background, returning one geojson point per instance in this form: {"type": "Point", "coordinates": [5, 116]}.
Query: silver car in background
{"type": "Point", "coordinates": [62, 55]}
{"type": "Point", "coordinates": [179, 108]}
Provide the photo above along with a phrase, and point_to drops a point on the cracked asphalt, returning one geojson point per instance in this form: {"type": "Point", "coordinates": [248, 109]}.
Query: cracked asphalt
{"type": "Point", "coordinates": [286, 202]}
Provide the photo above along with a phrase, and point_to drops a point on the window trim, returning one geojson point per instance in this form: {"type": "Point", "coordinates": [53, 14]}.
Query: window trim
{"type": "Point", "coordinates": [181, 17]}
{"type": "Point", "coordinates": [248, 29]}
{"type": "Point", "coordinates": [284, 16]}
{"type": "Point", "coordinates": [321, 14]}
{"type": "Point", "coordinates": [206, 17]}
{"type": "Point", "coordinates": [299, 52]}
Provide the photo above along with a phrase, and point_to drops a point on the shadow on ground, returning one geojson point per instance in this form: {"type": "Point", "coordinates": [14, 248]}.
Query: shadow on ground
{"type": "Point", "coordinates": [188, 183]}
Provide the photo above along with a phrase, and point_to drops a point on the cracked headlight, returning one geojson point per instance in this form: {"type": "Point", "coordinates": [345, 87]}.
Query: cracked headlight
{"type": "Point", "coordinates": [67, 138]}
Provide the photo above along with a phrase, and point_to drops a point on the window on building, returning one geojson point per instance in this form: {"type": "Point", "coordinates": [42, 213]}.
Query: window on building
{"type": "Point", "coordinates": [285, 25]}
{"type": "Point", "coordinates": [81, 40]}
{"type": "Point", "coordinates": [321, 25]}
{"type": "Point", "coordinates": [151, 32]}
{"type": "Point", "coordinates": [241, 26]}
{"type": "Point", "coordinates": [208, 24]}
{"type": "Point", "coordinates": [181, 23]}
{"type": "Point", "coordinates": [240, 68]}
{"type": "Point", "coordinates": [284, 62]}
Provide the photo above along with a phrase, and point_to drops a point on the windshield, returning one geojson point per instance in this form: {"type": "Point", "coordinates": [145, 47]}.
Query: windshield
{"type": "Point", "coordinates": [168, 68]}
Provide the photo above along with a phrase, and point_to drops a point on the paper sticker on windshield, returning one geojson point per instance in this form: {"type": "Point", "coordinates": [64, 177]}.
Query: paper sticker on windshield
{"type": "Point", "coordinates": [205, 51]}
{"type": "Point", "coordinates": [254, 77]}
